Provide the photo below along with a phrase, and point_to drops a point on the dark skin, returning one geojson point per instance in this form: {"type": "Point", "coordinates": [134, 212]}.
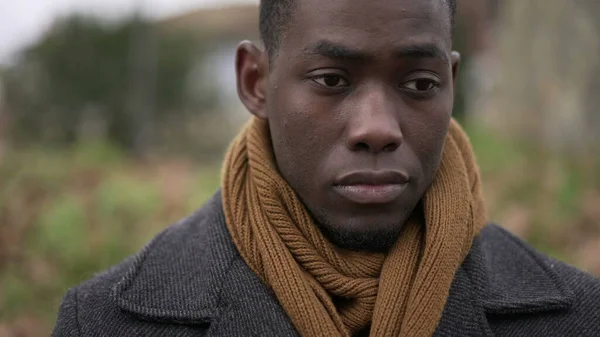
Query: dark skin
{"type": "Point", "coordinates": [358, 100]}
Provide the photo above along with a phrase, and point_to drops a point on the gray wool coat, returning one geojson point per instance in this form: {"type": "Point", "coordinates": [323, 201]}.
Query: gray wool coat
{"type": "Point", "coordinates": [191, 281]}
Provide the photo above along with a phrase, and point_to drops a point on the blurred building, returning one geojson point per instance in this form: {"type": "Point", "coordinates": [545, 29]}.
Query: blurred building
{"type": "Point", "coordinates": [220, 30]}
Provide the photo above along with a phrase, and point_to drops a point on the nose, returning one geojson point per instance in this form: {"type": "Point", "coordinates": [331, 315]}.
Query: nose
{"type": "Point", "coordinates": [374, 126]}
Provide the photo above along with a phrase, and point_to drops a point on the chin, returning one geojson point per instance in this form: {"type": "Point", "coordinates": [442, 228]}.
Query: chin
{"type": "Point", "coordinates": [363, 233]}
{"type": "Point", "coordinates": [373, 228]}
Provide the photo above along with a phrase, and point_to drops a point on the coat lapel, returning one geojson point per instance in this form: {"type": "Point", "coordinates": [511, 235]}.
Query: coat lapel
{"type": "Point", "coordinates": [463, 314]}
{"type": "Point", "coordinates": [501, 276]}
{"type": "Point", "coordinates": [192, 274]}
{"type": "Point", "coordinates": [518, 280]}
{"type": "Point", "coordinates": [248, 308]}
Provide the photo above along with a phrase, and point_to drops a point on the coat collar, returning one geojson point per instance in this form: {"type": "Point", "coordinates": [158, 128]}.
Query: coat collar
{"type": "Point", "coordinates": [192, 274]}
{"type": "Point", "coordinates": [515, 278]}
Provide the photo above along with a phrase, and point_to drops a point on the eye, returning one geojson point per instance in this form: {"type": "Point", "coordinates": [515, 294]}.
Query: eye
{"type": "Point", "coordinates": [421, 85]}
{"type": "Point", "coordinates": [331, 80]}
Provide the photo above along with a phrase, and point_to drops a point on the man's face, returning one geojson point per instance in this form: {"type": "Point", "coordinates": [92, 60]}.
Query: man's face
{"type": "Point", "coordinates": [358, 100]}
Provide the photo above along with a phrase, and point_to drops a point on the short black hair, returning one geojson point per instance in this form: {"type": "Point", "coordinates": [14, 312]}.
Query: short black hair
{"type": "Point", "coordinates": [275, 14]}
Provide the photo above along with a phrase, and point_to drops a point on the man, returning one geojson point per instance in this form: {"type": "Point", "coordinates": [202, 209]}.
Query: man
{"type": "Point", "coordinates": [350, 203]}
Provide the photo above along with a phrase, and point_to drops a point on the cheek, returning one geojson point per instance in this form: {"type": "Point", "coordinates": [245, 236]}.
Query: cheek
{"type": "Point", "coordinates": [298, 138]}
{"type": "Point", "coordinates": [427, 134]}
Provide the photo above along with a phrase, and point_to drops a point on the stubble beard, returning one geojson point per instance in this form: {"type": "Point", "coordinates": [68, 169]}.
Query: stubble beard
{"type": "Point", "coordinates": [378, 238]}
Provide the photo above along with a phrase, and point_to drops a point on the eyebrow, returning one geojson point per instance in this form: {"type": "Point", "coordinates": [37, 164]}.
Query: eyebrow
{"type": "Point", "coordinates": [428, 50]}
{"type": "Point", "coordinates": [337, 51]}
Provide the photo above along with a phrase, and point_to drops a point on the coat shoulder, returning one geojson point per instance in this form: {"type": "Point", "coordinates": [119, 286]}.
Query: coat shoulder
{"type": "Point", "coordinates": [516, 270]}
{"type": "Point", "coordinates": [91, 308]}
{"type": "Point", "coordinates": [504, 251]}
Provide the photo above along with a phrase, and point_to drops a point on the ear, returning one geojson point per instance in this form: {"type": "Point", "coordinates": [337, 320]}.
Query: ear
{"type": "Point", "coordinates": [455, 63]}
{"type": "Point", "coordinates": [252, 71]}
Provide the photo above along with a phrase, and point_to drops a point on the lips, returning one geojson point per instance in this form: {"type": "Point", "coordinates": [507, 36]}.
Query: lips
{"type": "Point", "coordinates": [372, 187]}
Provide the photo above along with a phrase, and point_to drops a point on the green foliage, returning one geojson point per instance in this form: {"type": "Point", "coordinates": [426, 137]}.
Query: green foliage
{"type": "Point", "coordinates": [97, 154]}
{"type": "Point", "coordinates": [16, 295]}
{"type": "Point", "coordinates": [61, 229]}
{"type": "Point", "coordinates": [493, 152]}
{"type": "Point", "coordinates": [207, 180]}
{"type": "Point", "coordinates": [126, 203]}
{"type": "Point", "coordinates": [569, 194]}
{"type": "Point", "coordinates": [550, 191]}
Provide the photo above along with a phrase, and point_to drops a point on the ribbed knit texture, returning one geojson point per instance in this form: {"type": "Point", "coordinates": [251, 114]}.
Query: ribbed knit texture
{"type": "Point", "coordinates": [402, 293]}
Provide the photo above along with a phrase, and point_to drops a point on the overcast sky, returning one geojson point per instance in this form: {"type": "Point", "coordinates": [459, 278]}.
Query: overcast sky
{"type": "Point", "coordinates": [23, 21]}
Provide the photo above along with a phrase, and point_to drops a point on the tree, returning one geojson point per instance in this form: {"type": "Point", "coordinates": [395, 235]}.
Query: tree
{"type": "Point", "coordinates": [87, 76]}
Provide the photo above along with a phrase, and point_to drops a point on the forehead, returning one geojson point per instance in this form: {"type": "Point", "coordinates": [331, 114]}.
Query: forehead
{"type": "Point", "coordinates": [373, 25]}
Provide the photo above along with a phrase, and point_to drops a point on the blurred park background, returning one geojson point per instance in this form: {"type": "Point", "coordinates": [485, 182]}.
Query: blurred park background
{"type": "Point", "coordinates": [113, 125]}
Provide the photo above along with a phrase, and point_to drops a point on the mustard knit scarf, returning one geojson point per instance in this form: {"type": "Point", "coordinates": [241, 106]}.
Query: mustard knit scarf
{"type": "Point", "coordinates": [401, 293]}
